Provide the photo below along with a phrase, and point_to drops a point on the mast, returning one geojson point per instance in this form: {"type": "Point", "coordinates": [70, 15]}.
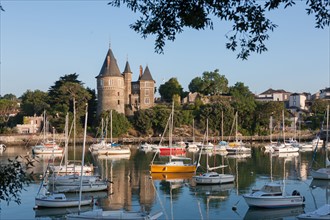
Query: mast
{"type": "Point", "coordinates": [66, 142]}
{"type": "Point", "coordinates": [236, 117]}
{"type": "Point", "coordinates": [171, 126]}
{"type": "Point", "coordinates": [271, 128]}
{"type": "Point", "coordinates": [111, 126]}
{"type": "Point", "coordinates": [193, 130]}
{"type": "Point", "coordinates": [221, 125]}
{"type": "Point", "coordinates": [327, 162]}
{"type": "Point", "coordinates": [207, 155]}
{"type": "Point", "coordinates": [83, 158]}
{"type": "Point", "coordinates": [74, 134]}
{"type": "Point", "coordinates": [283, 127]}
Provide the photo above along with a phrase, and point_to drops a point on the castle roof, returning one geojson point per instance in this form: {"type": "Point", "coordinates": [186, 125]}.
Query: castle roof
{"type": "Point", "coordinates": [146, 75]}
{"type": "Point", "coordinates": [109, 67]}
{"type": "Point", "coordinates": [127, 68]}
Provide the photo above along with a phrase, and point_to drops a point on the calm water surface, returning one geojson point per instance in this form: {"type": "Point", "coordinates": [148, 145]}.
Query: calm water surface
{"type": "Point", "coordinates": [177, 196]}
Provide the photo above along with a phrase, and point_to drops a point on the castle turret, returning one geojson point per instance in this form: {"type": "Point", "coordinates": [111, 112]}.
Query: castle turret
{"type": "Point", "coordinates": [128, 83]}
{"type": "Point", "coordinates": [147, 89]}
{"type": "Point", "coordinates": [110, 86]}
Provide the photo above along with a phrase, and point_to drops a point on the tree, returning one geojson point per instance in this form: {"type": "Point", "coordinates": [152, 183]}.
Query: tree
{"type": "Point", "coordinates": [250, 28]}
{"type": "Point", "coordinates": [120, 123]}
{"type": "Point", "coordinates": [7, 109]}
{"type": "Point", "coordinates": [243, 101]}
{"type": "Point", "coordinates": [262, 114]}
{"type": "Point", "coordinates": [10, 96]}
{"type": "Point", "coordinates": [169, 89]}
{"type": "Point", "coordinates": [34, 102]}
{"type": "Point", "coordinates": [143, 121]}
{"type": "Point", "coordinates": [67, 89]}
{"type": "Point", "coordinates": [211, 83]}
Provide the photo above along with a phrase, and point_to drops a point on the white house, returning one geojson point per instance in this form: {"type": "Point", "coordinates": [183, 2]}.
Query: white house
{"type": "Point", "coordinates": [273, 95]}
{"type": "Point", "coordinates": [297, 100]}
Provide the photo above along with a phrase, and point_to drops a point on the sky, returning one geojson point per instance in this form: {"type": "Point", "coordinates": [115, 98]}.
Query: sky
{"type": "Point", "coordinates": [42, 41]}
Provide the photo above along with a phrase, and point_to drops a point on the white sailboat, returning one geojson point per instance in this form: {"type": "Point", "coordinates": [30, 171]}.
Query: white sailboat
{"type": "Point", "coordinates": [102, 214]}
{"type": "Point", "coordinates": [57, 200]}
{"type": "Point", "coordinates": [47, 146]}
{"type": "Point", "coordinates": [212, 177]}
{"type": "Point", "coordinates": [112, 148]}
{"type": "Point", "coordinates": [70, 182]}
{"type": "Point", "coordinates": [237, 146]}
{"type": "Point", "coordinates": [323, 173]}
{"type": "Point", "coordinates": [70, 169]}
{"type": "Point", "coordinates": [274, 195]}
{"type": "Point", "coordinates": [285, 147]}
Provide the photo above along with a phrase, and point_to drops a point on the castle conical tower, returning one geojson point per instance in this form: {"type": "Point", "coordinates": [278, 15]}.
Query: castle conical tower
{"type": "Point", "coordinates": [110, 86]}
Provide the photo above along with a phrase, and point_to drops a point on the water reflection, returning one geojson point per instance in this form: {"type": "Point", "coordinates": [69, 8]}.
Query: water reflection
{"type": "Point", "coordinates": [131, 187]}
{"type": "Point", "coordinates": [262, 214]}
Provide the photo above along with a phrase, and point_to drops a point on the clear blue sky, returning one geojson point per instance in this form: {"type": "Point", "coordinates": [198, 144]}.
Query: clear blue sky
{"type": "Point", "coordinates": [44, 40]}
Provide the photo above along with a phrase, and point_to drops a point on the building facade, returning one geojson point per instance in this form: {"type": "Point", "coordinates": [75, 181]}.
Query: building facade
{"type": "Point", "coordinates": [117, 91]}
{"type": "Point", "coordinates": [273, 95]}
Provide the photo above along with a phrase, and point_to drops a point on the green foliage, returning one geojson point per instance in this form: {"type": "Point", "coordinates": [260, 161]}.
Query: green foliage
{"type": "Point", "coordinates": [211, 83]}
{"type": "Point", "coordinates": [7, 107]}
{"type": "Point", "coordinates": [120, 123]}
{"type": "Point", "coordinates": [66, 92]}
{"type": "Point", "coordinates": [162, 114]}
{"type": "Point", "coordinates": [250, 25]}
{"type": "Point", "coordinates": [319, 106]}
{"type": "Point", "coordinates": [34, 102]}
{"type": "Point", "coordinates": [14, 176]}
{"type": "Point", "coordinates": [214, 114]}
{"type": "Point", "coordinates": [143, 121]}
{"type": "Point", "coordinates": [262, 114]}
{"type": "Point", "coordinates": [169, 89]}
{"type": "Point", "coordinates": [243, 101]}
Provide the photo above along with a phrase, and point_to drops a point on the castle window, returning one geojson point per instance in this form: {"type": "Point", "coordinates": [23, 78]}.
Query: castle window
{"type": "Point", "coordinates": [110, 82]}
{"type": "Point", "coordinates": [146, 92]}
{"type": "Point", "coordinates": [118, 93]}
{"type": "Point", "coordinates": [118, 102]}
{"type": "Point", "coordinates": [146, 100]}
{"type": "Point", "coordinates": [101, 82]}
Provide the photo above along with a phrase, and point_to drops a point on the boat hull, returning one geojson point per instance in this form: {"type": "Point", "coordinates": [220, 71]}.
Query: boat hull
{"type": "Point", "coordinates": [273, 201]}
{"type": "Point", "coordinates": [50, 203]}
{"type": "Point", "coordinates": [206, 180]}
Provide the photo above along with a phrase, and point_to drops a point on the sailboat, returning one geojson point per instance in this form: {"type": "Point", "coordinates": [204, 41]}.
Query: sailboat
{"type": "Point", "coordinates": [274, 195]}
{"type": "Point", "coordinates": [70, 181]}
{"type": "Point", "coordinates": [237, 146]}
{"type": "Point", "coordinates": [175, 164]}
{"type": "Point", "coordinates": [285, 147]}
{"type": "Point", "coordinates": [68, 168]}
{"type": "Point", "coordinates": [211, 177]}
{"type": "Point", "coordinates": [112, 148]}
{"type": "Point", "coordinates": [47, 146]}
{"type": "Point", "coordinates": [102, 214]}
{"type": "Point", "coordinates": [323, 173]}
{"type": "Point", "coordinates": [57, 200]}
